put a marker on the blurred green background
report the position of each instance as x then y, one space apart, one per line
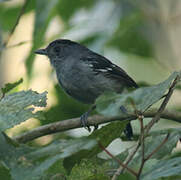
143 37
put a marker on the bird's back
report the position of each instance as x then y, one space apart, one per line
87 76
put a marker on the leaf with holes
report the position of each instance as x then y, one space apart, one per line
18 107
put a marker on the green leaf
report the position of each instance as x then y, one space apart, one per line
11 13
9 86
166 149
128 36
30 163
126 176
43 12
66 148
105 135
55 172
67 9
151 143
109 104
178 177
17 107
114 130
122 156
88 170
90 26
163 168
4 173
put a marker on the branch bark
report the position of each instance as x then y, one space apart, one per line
92 121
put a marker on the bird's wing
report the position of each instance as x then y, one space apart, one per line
100 64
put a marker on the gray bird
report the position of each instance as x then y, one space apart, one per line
84 74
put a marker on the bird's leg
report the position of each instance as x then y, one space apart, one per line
128 131
85 116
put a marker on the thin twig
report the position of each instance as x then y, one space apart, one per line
142 144
17 22
157 149
121 169
155 120
18 44
74 123
113 157
162 107
147 128
150 155
132 154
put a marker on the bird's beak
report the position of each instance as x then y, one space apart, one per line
41 51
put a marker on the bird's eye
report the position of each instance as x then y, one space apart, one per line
56 50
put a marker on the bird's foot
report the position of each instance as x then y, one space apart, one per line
96 127
128 131
83 120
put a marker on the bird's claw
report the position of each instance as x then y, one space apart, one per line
84 122
95 127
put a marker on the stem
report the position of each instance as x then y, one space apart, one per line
121 169
150 155
113 157
17 22
157 149
153 121
162 107
142 144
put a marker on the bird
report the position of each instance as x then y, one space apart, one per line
85 75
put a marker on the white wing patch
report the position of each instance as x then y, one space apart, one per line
109 69
102 70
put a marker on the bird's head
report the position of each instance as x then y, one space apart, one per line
60 49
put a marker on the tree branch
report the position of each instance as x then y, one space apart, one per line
92 121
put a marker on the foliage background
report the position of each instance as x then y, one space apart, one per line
142 37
